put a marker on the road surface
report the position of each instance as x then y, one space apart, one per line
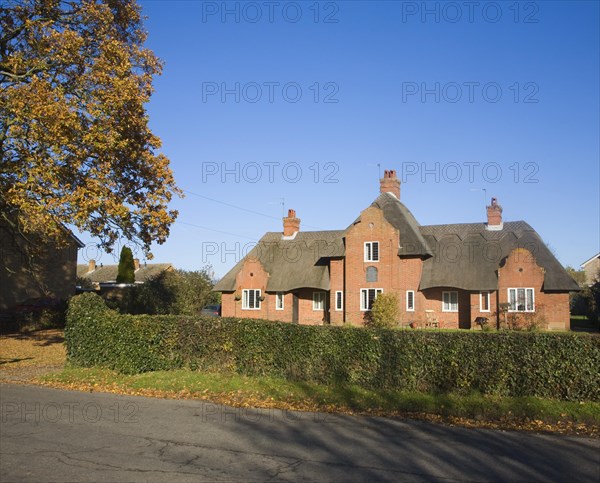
54 435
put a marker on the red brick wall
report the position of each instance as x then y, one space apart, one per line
306 314
409 279
336 282
520 270
253 276
476 311
372 227
432 300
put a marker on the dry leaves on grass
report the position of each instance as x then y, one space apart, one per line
242 400
24 356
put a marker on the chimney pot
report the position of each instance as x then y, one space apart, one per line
390 183
291 224
91 266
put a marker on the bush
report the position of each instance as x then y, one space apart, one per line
525 321
561 366
174 292
385 311
98 336
177 292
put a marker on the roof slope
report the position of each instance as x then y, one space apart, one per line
292 263
412 242
467 256
108 273
597 255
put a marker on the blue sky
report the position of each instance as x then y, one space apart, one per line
302 101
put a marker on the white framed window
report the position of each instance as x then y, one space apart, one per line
251 299
318 300
339 300
371 251
521 300
450 301
410 300
367 297
484 301
279 298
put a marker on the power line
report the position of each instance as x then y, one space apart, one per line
212 229
230 205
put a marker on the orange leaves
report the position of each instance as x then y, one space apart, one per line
77 147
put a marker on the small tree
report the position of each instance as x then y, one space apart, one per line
126 273
385 311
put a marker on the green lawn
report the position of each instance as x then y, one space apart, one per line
236 390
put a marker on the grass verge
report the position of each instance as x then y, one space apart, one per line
473 410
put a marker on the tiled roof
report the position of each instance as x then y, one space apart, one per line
108 273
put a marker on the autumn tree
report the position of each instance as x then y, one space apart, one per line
75 146
126 268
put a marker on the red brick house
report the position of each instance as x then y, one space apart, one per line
444 275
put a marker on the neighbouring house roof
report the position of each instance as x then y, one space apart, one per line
597 255
77 241
467 256
108 273
292 263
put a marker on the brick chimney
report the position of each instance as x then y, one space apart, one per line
91 266
136 264
291 224
494 215
390 183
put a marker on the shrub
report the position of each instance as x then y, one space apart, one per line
561 366
98 336
525 321
385 311
176 292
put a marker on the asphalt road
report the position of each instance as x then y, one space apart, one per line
52 435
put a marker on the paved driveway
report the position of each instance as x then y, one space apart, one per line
53 435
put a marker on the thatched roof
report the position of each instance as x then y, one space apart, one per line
292 263
468 256
399 216
465 256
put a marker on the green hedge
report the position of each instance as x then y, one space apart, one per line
561 365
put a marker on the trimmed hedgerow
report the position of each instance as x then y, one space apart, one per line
560 365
